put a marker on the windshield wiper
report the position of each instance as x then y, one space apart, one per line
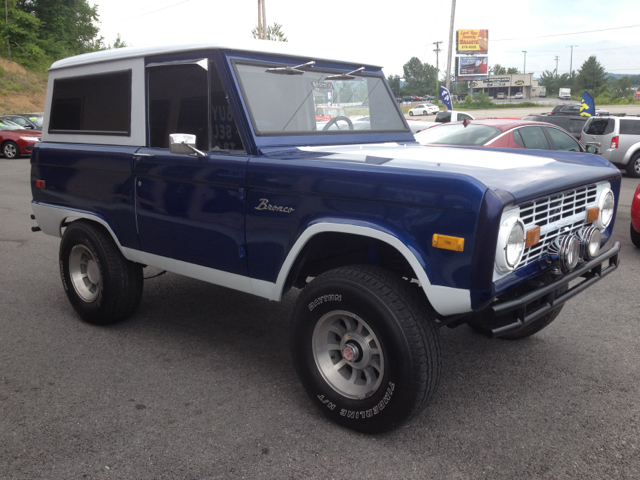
289 70
344 76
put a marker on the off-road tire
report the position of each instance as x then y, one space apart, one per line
397 322
102 286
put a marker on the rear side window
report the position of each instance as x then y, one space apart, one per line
599 126
92 104
575 125
629 127
443 117
562 141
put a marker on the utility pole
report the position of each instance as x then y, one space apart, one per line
557 58
524 70
453 13
259 19
571 60
437 50
6 9
262 21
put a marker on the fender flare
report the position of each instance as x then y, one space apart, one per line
445 300
633 149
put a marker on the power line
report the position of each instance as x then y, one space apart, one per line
564 34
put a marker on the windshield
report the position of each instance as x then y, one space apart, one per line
36 119
289 103
9 125
457 134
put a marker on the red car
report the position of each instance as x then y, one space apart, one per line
635 218
15 141
502 133
326 113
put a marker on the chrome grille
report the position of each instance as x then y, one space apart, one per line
555 215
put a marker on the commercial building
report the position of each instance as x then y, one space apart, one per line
509 84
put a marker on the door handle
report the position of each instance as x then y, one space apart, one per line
139 156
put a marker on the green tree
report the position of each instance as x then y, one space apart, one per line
274 33
498 69
118 43
591 75
511 70
394 83
420 77
67 27
622 87
20 40
553 82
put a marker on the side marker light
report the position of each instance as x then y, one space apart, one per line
592 214
533 237
40 183
448 243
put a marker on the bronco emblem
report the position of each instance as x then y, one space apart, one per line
264 205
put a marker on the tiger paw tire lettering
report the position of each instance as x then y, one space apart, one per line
102 286
370 356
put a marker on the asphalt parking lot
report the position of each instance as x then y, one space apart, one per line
199 384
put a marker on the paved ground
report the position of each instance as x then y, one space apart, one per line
199 385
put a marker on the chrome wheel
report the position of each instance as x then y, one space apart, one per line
84 272
348 354
10 150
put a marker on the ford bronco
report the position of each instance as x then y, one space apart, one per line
208 161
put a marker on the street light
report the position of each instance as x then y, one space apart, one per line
524 70
571 61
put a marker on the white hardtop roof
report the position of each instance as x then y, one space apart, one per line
259 46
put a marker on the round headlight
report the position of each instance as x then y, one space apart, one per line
510 244
606 203
515 244
590 242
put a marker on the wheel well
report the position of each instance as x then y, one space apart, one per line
330 250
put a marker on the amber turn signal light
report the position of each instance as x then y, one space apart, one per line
448 243
592 214
533 237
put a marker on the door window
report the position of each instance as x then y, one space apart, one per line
181 101
531 137
562 141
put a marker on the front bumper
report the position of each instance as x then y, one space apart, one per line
534 304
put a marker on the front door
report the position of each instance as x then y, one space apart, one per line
188 208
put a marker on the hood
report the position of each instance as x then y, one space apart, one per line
525 174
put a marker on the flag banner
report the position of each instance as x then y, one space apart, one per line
445 97
587 106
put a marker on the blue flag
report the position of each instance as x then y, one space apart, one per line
587 106
445 97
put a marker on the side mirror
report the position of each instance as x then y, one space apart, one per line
592 149
184 144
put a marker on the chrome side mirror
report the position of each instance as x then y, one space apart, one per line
592 149
184 144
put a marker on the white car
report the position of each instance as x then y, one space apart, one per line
424 109
519 95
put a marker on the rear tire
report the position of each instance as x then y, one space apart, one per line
365 348
635 236
10 150
102 286
633 167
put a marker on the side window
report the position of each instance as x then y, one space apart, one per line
629 127
533 137
462 116
562 141
181 101
518 138
92 104
575 126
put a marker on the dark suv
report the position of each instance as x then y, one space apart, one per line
570 109
572 124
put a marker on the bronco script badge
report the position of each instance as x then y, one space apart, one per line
264 205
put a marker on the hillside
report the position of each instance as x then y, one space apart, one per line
21 90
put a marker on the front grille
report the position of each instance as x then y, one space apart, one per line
556 215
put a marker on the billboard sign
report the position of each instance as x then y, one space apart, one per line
472 66
471 41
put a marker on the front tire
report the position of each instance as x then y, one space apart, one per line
635 236
633 167
410 113
365 348
102 286
10 150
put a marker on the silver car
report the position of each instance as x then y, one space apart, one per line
618 139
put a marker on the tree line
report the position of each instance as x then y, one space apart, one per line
35 33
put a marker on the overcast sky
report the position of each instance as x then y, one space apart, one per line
390 33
